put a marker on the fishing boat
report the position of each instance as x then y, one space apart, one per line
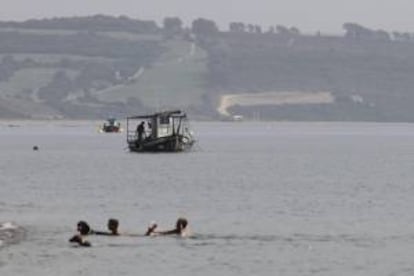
111 125
160 132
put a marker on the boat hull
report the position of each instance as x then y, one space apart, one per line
110 129
175 143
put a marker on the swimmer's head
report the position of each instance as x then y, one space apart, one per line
83 227
113 225
181 224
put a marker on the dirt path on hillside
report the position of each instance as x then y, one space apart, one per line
273 98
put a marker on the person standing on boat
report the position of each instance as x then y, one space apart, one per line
140 131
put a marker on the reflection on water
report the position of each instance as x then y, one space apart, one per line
10 233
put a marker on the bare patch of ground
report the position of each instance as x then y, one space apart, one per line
273 98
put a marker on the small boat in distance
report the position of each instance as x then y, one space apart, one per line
111 125
160 132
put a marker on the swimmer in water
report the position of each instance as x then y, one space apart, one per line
180 229
83 229
151 229
112 225
80 241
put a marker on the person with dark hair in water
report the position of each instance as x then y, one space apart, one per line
83 229
112 225
80 241
180 229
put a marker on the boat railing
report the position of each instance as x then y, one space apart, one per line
132 135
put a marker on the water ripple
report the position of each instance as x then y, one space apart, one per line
10 233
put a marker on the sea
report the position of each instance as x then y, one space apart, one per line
261 198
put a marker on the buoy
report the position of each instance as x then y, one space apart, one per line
35 148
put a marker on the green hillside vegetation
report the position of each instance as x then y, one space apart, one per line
60 67
95 23
100 66
369 73
175 80
51 59
26 80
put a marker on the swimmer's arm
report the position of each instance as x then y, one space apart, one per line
168 232
132 235
101 233
80 241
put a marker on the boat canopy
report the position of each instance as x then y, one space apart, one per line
173 113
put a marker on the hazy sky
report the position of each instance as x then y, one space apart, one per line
308 15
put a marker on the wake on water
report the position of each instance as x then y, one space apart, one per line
10 233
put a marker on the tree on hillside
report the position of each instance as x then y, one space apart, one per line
93 23
282 30
294 31
57 89
237 27
356 31
92 73
250 28
397 36
8 66
271 30
172 26
382 35
204 27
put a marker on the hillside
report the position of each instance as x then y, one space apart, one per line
369 79
101 66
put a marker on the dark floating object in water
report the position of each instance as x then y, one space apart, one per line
35 148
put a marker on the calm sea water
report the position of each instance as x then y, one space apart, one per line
261 199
